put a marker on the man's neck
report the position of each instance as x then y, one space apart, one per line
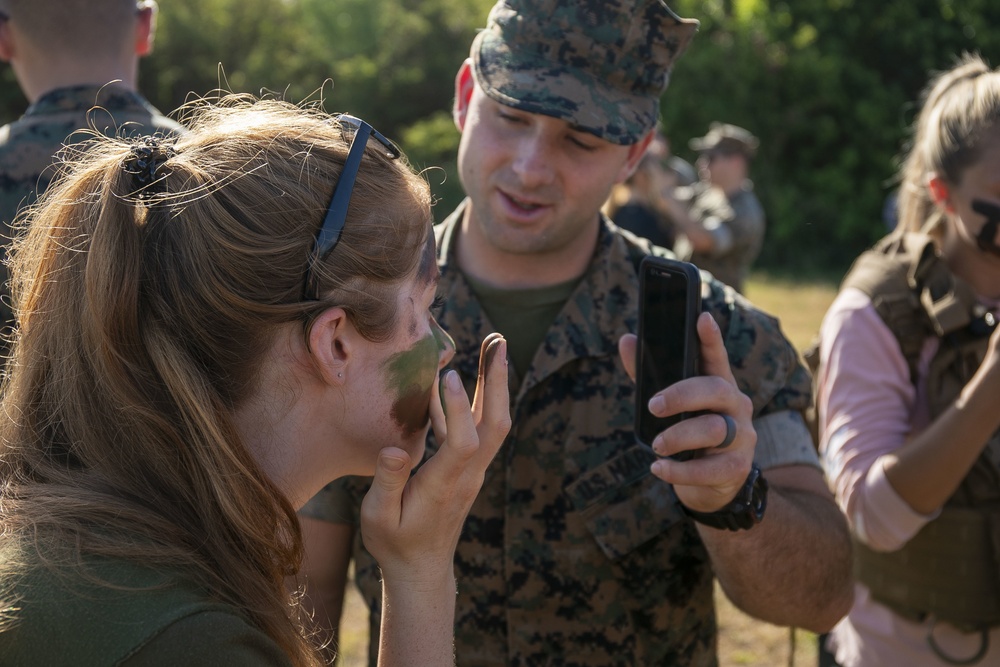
37 80
481 259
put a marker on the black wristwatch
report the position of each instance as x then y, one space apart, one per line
744 512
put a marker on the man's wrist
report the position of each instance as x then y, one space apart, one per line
743 512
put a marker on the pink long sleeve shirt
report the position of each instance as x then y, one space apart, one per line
868 407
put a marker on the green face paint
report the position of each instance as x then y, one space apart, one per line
410 379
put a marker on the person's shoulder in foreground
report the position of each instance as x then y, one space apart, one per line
116 612
77 64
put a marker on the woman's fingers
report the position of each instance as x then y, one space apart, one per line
487 352
494 398
382 505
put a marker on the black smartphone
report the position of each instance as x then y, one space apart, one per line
667 351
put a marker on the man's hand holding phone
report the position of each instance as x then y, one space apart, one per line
707 482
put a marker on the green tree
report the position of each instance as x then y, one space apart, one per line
829 87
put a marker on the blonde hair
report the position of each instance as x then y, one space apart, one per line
145 314
959 108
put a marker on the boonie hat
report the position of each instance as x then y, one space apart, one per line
600 65
726 138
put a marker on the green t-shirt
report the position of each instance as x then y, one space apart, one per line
145 618
523 316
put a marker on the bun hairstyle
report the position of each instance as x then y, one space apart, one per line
148 284
960 106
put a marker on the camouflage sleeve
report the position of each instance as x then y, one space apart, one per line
765 364
767 368
783 439
338 502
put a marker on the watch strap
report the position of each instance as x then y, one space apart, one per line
745 511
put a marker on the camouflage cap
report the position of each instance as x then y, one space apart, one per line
726 138
601 65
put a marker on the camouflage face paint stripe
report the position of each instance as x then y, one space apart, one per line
410 379
987 237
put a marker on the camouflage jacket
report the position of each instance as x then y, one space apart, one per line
29 144
574 554
736 223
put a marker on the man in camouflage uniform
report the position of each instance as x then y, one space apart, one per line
581 548
76 61
723 225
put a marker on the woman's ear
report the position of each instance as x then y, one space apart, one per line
940 193
332 344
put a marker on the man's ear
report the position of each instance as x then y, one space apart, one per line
635 153
940 193
145 27
8 49
464 85
332 344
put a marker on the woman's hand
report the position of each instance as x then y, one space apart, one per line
411 525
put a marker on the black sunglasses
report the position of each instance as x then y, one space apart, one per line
336 213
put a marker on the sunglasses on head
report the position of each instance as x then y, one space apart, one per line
336 213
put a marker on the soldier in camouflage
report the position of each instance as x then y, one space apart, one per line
581 548
722 220
76 61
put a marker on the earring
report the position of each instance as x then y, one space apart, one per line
340 375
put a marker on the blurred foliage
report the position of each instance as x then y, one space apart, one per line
828 85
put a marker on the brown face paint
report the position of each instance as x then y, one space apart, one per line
487 351
411 376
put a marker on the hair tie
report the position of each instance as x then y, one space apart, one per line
144 162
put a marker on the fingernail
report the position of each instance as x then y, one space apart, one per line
441 383
392 463
656 404
451 379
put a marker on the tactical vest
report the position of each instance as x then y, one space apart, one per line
950 570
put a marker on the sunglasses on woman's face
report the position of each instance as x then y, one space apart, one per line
336 213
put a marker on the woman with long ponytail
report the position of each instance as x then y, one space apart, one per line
210 329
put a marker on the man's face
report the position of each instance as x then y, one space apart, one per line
724 170
536 183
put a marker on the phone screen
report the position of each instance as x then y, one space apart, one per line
668 349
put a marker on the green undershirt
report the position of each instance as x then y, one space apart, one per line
523 316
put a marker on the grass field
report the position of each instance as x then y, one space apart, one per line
743 641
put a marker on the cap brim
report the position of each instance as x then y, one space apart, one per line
561 92
701 144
